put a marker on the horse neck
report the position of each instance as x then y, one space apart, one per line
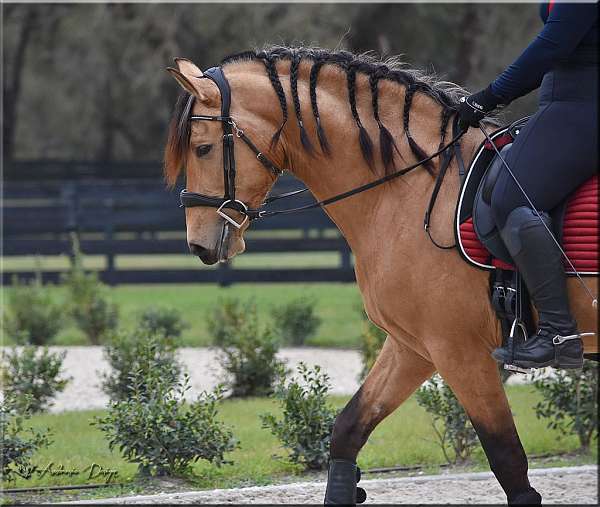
366 218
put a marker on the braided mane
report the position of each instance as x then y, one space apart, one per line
446 94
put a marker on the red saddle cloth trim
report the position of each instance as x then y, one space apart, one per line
580 233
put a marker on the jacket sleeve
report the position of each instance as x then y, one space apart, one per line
566 25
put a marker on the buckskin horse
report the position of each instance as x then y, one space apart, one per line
355 119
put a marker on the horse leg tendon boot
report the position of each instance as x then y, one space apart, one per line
341 484
539 261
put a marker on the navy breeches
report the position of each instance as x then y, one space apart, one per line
557 149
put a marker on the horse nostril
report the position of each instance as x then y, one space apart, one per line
197 249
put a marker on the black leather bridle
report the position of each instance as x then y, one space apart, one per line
229 201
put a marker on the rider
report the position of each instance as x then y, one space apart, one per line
555 152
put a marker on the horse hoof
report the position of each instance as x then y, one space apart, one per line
361 495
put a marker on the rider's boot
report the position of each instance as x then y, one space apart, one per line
538 259
341 483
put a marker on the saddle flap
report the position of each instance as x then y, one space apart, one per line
483 220
491 176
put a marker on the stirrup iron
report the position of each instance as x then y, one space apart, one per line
517 369
517 324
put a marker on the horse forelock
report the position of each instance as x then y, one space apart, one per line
178 138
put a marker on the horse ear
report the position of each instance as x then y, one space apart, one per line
182 80
204 89
187 67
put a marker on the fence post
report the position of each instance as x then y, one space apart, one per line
69 197
109 203
224 274
345 253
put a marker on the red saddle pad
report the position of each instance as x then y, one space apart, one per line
580 236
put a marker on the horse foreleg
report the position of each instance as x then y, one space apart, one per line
479 389
397 372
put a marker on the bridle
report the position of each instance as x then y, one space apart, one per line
229 201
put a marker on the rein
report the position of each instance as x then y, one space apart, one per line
228 201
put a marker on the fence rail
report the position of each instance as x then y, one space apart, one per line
115 217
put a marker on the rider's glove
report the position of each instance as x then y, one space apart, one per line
473 109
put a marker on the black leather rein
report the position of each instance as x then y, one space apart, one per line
229 201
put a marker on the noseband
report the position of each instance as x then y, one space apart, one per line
229 201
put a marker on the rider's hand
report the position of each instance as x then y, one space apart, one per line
473 109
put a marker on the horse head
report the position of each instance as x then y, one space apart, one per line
218 167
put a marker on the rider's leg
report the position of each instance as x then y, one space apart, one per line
555 152
540 264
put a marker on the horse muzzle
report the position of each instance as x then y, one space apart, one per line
206 255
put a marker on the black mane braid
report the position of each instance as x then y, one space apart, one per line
444 93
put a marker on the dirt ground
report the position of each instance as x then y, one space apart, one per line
566 485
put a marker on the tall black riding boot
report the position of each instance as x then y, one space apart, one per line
557 342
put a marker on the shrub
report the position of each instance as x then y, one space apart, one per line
296 321
246 352
307 423
165 321
159 431
31 314
18 447
32 374
227 317
143 351
450 422
93 313
372 339
570 401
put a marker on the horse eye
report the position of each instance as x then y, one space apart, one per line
203 149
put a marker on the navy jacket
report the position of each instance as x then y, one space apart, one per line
570 35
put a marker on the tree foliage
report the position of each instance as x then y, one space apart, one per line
86 81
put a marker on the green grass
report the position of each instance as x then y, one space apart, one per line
405 438
247 260
337 305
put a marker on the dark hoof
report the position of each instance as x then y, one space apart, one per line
361 495
530 497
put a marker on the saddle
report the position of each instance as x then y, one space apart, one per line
575 220
575 223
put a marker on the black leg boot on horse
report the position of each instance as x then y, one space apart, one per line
557 342
397 372
342 478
